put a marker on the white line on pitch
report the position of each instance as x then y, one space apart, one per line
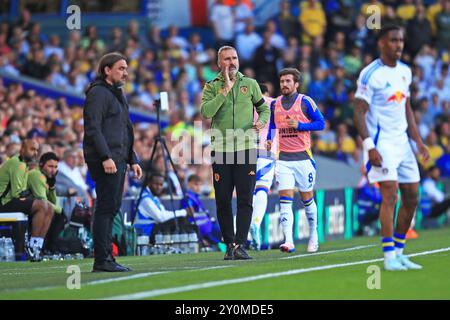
327 252
160 292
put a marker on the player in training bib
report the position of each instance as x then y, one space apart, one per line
294 116
384 119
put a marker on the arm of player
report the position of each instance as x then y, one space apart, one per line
359 117
272 127
313 113
414 132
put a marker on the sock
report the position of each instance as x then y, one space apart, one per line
399 240
36 241
259 206
311 214
287 218
388 247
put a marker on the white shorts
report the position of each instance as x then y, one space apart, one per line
265 169
399 163
296 173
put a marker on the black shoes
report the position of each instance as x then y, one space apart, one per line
109 266
236 253
229 252
240 253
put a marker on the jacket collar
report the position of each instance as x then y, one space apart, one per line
238 76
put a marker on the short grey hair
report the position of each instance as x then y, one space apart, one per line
224 48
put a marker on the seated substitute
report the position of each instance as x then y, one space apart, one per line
150 210
14 197
41 183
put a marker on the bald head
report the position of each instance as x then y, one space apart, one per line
29 150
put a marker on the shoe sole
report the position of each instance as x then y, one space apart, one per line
284 249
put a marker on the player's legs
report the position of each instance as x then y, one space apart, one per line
389 199
287 219
311 213
410 199
264 178
305 177
286 185
42 215
408 178
260 199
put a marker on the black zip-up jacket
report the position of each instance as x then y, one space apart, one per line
108 132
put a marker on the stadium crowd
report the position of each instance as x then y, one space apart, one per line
328 41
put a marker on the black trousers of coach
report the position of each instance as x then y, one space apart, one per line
234 170
109 189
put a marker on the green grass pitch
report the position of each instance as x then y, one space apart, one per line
339 271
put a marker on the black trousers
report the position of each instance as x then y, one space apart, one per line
234 170
109 189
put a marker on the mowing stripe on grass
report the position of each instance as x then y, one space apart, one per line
328 252
160 292
147 274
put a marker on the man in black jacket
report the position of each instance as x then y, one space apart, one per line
108 149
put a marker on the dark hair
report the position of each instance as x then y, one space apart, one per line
263 88
108 60
432 168
194 178
386 29
153 175
292 71
47 157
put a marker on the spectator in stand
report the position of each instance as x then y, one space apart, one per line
70 181
346 145
276 39
442 21
243 15
312 19
434 148
266 61
287 23
222 21
247 43
434 201
418 32
365 8
36 66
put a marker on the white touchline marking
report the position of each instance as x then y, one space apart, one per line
160 292
327 252
135 276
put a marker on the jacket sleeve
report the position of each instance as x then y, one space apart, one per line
149 209
261 107
18 177
94 107
211 102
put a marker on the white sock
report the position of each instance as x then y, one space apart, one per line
389 255
311 214
399 251
36 241
287 220
259 206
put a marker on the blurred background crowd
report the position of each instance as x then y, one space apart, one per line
327 40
